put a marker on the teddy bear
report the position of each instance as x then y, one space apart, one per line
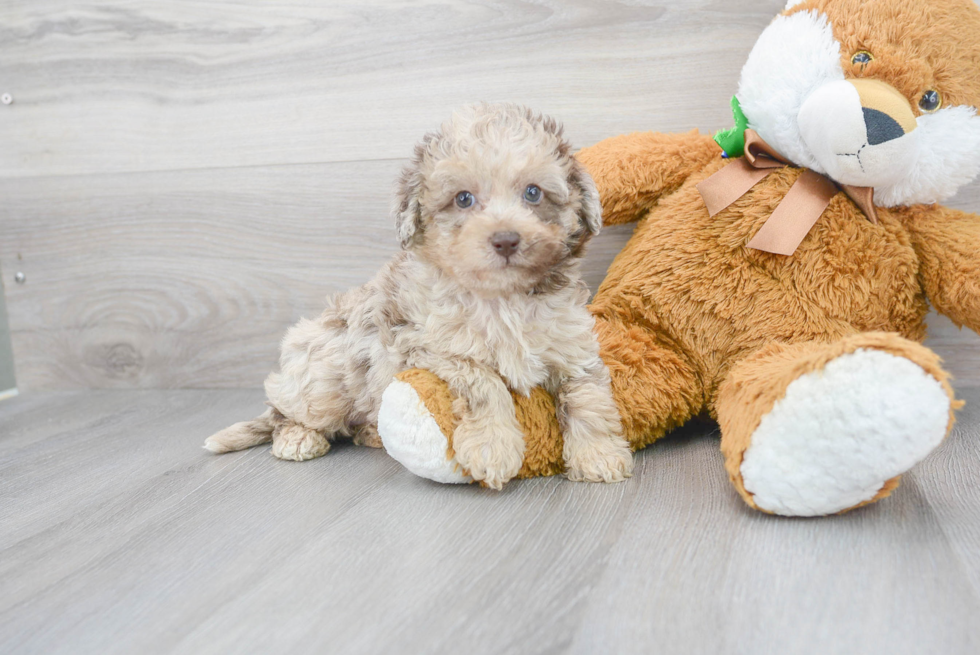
780 273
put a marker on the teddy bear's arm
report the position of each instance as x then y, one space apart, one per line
948 244
633 171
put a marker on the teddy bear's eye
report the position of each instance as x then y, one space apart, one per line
464 200
863 57
930 101
532 194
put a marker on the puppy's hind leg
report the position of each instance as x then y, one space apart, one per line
367 435
298 443
243 435
310 389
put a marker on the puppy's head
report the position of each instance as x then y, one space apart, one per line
496 201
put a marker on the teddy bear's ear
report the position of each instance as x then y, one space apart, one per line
407 210
590 212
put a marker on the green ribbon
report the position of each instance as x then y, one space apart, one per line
733 141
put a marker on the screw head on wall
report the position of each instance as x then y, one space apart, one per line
6 98
19 277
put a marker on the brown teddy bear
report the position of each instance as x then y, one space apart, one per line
779 274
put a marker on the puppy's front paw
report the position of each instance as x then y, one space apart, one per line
606 459
490 456
297 443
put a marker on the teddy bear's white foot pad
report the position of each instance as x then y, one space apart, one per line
412 437
840 433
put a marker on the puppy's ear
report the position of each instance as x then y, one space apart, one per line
407 210
590 212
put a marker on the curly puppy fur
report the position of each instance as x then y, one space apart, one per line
486 294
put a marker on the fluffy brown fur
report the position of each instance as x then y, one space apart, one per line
486 320
918 44
686 307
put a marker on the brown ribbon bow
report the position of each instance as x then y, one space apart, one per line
783 232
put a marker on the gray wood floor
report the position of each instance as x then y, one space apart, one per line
119 534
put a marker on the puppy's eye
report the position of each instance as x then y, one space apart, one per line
862 57
930 101
532 194
464 199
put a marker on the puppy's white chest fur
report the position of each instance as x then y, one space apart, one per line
528 339
517 337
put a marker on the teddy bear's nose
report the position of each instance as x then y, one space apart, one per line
505 243
887 113
881 126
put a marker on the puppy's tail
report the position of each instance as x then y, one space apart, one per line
243 435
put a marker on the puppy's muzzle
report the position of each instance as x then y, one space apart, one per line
861 131
505 244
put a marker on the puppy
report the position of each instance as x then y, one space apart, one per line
492 213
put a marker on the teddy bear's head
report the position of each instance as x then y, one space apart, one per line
872 93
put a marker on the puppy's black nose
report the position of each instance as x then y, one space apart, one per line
505 243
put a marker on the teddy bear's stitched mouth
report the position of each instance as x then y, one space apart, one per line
855 154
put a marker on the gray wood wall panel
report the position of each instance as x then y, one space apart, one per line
120 86
177 279
181 181
7 381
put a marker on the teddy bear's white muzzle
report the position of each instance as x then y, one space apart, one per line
862 132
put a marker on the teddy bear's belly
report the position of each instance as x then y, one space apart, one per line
717 298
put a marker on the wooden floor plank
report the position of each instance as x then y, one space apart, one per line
119 534
243 532
709 575
949 481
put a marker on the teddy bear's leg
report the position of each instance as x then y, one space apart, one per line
417 425
655 387
654 384
817 428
